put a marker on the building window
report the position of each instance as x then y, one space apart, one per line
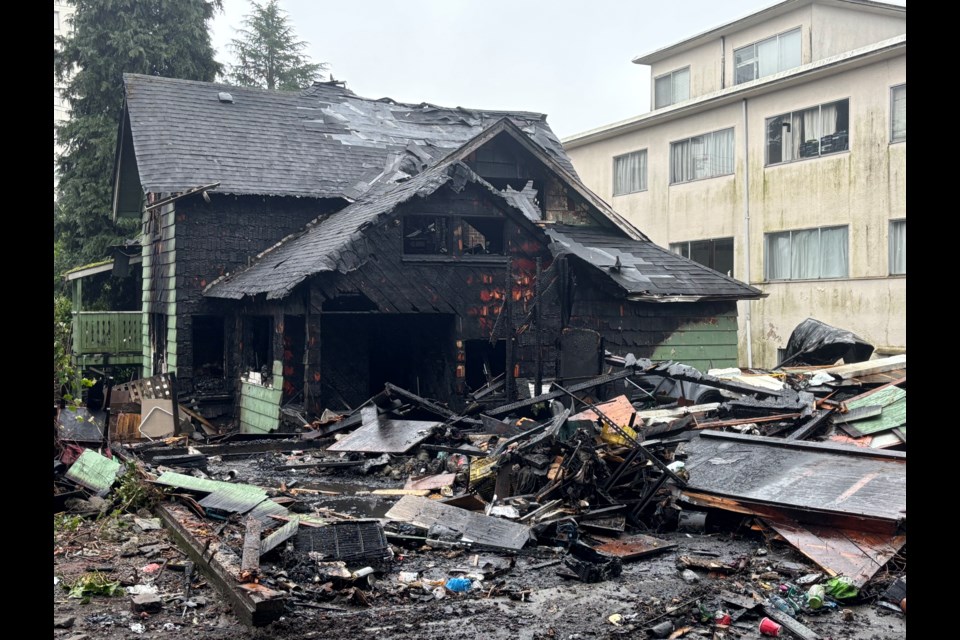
779 53
630 173
807 254
56 21
809 133
898 113
451 235
716 254
671 88
703 156
898 247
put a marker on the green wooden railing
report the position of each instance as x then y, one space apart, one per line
112 333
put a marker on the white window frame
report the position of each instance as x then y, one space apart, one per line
673 89
691 169
642 179
767 237
893 250
755 61
56 20
893 113
685 249
791 118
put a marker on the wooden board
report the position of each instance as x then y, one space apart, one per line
635 547
386 436
855 554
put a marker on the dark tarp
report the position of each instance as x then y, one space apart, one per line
816 343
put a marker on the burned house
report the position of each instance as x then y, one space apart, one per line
309 247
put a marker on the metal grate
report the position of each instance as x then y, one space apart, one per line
355 542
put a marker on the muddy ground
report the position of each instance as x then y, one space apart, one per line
528 601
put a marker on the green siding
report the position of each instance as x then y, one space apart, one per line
260 406
702 343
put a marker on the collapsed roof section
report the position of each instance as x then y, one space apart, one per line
644 271
323 142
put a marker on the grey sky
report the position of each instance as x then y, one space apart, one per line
569 59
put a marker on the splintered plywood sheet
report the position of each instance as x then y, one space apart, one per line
386 436
767 472
635 547
438 481
472 527
855 554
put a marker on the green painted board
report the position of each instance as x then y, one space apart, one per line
94 471
894 414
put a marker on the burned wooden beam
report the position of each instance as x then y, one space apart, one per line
254 605
811 426
280 536
432 407
250 560
582 386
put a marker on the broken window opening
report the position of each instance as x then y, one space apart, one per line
208 346
481 236
259 355
430 235
484 362
425 235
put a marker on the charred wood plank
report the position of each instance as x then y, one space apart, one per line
582 386
254 605
250 560
811 426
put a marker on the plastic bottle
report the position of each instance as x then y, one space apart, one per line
815 596
783 605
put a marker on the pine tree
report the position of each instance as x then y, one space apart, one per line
166 38
268 53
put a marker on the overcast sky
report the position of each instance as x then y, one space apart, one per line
569 59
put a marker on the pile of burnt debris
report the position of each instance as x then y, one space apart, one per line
582 474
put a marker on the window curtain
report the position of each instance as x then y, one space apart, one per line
898 247
630 172
833 253
805 254
662 92
778 256
681 86
900 113
768 52
679 161
790 50
721 152
828 119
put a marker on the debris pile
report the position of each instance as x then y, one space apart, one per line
582 479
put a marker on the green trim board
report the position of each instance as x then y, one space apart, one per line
893 400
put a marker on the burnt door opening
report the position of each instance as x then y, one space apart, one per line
208 346
258 348
158 340
362 352
484 362
294 341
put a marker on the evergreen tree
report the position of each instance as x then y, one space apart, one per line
166 38
268 53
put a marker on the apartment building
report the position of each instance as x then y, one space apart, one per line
775 151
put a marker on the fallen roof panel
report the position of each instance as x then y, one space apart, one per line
807 481
386 436
472 527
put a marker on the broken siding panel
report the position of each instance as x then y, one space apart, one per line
260 406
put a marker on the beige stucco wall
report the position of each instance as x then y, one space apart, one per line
825 31
836 30
864 188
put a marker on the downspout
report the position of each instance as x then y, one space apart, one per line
746 229
723 62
